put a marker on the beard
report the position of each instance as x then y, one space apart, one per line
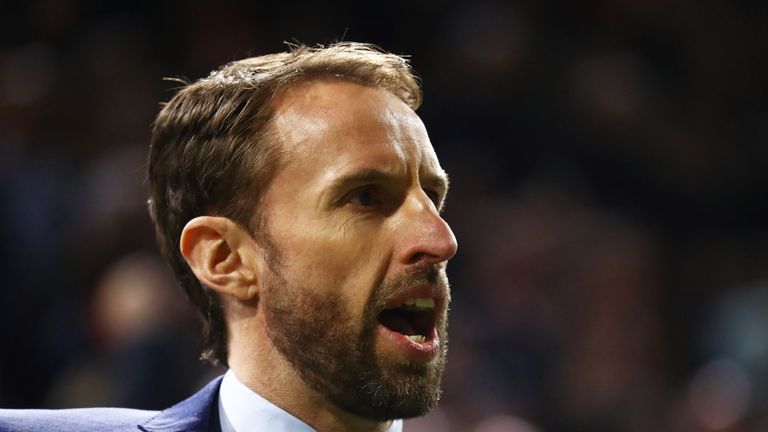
335 355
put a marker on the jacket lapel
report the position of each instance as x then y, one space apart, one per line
199 413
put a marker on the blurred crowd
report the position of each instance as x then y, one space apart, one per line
609 174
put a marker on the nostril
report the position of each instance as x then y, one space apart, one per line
417 257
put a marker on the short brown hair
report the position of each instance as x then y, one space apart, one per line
212 152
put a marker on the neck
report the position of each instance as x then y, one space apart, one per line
257 364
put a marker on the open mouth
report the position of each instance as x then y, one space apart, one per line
415 319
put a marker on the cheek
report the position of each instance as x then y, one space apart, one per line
337 261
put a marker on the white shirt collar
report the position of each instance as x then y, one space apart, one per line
242 410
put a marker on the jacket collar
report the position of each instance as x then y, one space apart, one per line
198 413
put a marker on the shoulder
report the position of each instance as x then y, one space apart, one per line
102 419
196 414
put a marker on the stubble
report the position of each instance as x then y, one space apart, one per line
335 354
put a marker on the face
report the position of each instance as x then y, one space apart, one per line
357 301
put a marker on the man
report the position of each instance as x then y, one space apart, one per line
298 197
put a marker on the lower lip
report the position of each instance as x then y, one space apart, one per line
424 351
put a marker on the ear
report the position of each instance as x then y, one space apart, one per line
221 255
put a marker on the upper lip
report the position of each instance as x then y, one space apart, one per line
425 291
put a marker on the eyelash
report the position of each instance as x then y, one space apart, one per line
356 194
376 198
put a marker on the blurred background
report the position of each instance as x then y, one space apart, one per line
609 176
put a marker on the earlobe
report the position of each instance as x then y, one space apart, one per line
215 248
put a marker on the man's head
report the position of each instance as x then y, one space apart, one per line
302 189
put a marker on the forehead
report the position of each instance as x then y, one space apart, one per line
342 123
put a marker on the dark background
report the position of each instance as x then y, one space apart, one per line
609 175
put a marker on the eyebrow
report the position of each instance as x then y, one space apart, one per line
372 175
437 180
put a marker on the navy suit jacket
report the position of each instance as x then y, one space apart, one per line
199 413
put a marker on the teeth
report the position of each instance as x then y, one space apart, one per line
417 338
420 304
425 303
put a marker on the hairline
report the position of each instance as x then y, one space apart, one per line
240 83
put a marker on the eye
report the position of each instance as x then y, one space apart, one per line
365 197
434 196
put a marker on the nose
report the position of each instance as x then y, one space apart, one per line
424 237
